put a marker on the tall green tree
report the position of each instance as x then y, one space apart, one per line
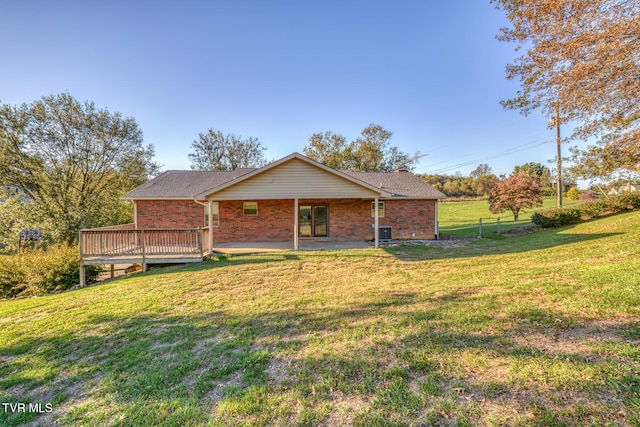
540 172
214 150
483 169
583 57
73 161
370 152
328 148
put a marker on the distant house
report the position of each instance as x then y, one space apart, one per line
290 199
11 190
627 188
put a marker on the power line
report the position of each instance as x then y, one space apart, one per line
523 147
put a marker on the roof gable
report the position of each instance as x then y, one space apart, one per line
294 176
290 177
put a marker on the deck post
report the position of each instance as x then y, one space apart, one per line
81 262
201 242
83 279
113 271
144 251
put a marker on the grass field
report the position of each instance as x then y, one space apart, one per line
461 219
540 329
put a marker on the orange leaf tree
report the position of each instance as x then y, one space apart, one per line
582 56
518 191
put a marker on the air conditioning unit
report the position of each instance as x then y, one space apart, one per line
384 233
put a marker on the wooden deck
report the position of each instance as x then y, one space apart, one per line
126 245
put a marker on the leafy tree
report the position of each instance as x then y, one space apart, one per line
573 193
482 180
483 184
476 185
16 214
518 191
215 151
73 161
483 169
540 172
582 57
328 148
370 152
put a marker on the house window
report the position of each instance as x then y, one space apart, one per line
215 210
250 208
380 209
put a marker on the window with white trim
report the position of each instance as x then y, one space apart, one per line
380 209
215 211
250 208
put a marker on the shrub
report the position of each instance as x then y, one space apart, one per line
42 270
556 217
573 194
594 209
588 195
627 201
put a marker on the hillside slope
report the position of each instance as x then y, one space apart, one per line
537 329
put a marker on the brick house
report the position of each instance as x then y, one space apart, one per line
292 199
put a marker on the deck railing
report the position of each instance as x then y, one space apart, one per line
123 244
112 242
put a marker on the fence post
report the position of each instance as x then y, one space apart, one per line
498 226
480 228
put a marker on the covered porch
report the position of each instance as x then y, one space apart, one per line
294 199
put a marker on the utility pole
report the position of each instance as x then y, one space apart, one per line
558 156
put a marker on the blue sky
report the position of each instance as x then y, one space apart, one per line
430 71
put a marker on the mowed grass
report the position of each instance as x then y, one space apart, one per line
461 219
539 329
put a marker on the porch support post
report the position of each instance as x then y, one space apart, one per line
375 222
210 225
295 224
436 230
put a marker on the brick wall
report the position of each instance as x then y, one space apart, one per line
349 219
410 219
169 214
274 222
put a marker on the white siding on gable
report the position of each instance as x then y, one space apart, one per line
294 179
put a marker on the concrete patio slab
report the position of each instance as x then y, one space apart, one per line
261 247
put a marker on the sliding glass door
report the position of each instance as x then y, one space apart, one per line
314 221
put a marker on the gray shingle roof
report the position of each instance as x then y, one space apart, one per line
176 184
399 184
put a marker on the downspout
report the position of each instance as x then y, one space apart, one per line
135 214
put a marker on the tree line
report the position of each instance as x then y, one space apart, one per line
369 152
65 164
482 179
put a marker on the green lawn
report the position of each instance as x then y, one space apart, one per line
538 329
461 219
